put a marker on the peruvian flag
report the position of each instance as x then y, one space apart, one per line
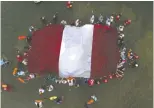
87 51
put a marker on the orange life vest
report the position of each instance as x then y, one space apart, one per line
129 53
4 86
21 80
38 101
70 78
22 37
90 101
14 71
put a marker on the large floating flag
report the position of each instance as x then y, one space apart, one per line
87 51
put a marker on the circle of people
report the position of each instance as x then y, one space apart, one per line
126 56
